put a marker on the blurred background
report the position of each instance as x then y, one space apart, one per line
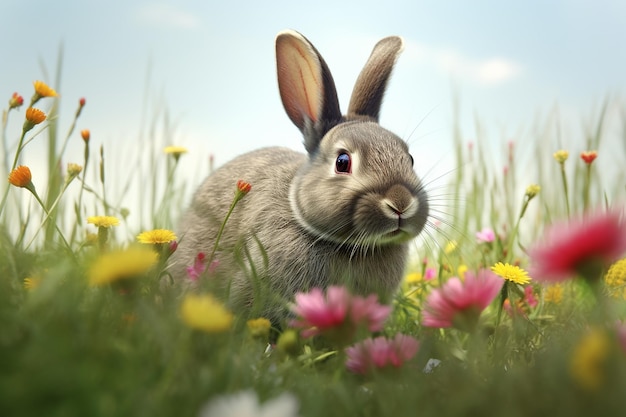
201 74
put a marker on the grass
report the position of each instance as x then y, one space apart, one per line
69 347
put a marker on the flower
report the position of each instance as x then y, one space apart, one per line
553 294
615 279
561 156
259 328
21 177
121 265
15 101
243 187
511 273
486 235
588 360
430 273
413 278
156 236
176 151
529 297
31 283
532 190
588 156
82 102
461 270
450 247
337 310
43 90
206 313
33 117
585 246
459 303
194 272
380 352
246 404
73 170
103 221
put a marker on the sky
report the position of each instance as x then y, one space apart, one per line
211 65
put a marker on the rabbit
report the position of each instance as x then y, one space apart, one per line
342 214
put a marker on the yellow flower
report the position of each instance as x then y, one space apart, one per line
156 236
561 156
413 278
259 328
461 270
122 264
204 312
450 247
73 170
31 283
176 151
532 190
511 273
21 177
615 279
33 117
103 221
43 90
553 294
589 359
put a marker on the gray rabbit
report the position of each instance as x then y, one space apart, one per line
341 215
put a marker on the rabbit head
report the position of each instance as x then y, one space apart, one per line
359 187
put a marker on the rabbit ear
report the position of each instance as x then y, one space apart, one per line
369 89
306 86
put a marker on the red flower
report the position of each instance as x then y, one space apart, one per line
243 187
588 156
15 101
586 246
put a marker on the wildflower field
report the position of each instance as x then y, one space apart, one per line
513 302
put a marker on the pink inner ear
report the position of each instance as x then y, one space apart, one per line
299 80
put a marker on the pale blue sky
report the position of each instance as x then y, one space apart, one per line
212 63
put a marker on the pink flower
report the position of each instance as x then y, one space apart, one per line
585 246
459 303
529 297
380 353
194 272
318 313
429 274
485 236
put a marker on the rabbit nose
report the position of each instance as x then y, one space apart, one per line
399 202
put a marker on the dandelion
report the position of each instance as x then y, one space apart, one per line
259 328
43 90
175 151
553 294
119 265
532 190
15 101
511 273
413 278
21 177
337 313
588 360
460 303
31 283
486 235
380 353
246 404
205 313
561 156
156 236
103 221
615 279
585 247
588 156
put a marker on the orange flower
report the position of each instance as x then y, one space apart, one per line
243 187
15 101
35 116
85 134
21 176
43 90
588 156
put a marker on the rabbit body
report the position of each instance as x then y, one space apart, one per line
341 215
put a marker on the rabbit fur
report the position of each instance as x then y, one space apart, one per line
342 214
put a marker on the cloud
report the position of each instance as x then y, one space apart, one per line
167 15
490 71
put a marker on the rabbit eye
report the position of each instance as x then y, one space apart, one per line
412 161
343 164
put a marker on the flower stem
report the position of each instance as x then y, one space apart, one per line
565 189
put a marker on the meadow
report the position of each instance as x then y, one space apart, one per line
513 302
